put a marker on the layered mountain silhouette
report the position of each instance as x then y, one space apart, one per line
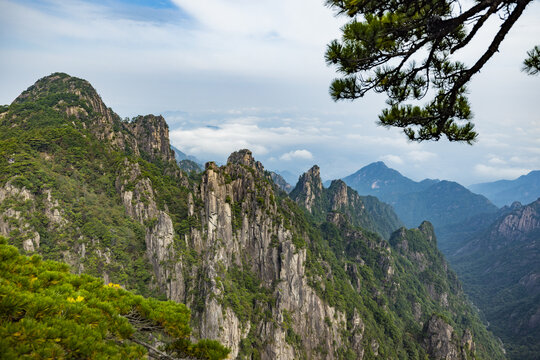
440 202
524 189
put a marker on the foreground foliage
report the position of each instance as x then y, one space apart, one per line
47 312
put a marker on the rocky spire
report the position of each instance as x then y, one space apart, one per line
152 134
339 196
245 157
309 188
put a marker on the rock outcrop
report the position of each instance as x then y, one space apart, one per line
309 189
364 211
152 135
139 201
442 342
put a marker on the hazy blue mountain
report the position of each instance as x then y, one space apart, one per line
383 182
288 176
443 203
440 202
180 155
189 166
454 236
524 189
281 182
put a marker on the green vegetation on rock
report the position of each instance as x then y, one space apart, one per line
47 312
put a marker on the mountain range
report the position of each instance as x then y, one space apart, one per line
440 202
288 176
320 274
187 163
524 189
495 251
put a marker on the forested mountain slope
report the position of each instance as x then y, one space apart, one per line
500 267
268 277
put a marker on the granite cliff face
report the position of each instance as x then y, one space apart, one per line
443 343
308 192
241 229
518 224
270 276
152 135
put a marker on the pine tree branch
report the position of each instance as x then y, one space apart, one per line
492 49
161 354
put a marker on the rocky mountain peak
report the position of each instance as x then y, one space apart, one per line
152 134
309 188
79 105
75 96
313 177
516 205
522 221
245 157
427 229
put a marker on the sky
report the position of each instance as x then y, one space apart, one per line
234 74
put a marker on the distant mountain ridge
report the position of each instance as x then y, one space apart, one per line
524 189
281 182
186 162
440 202
288 176
379 180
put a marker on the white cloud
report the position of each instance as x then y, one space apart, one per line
495 173
297 155
392 159
495 160
246 132
302 21
421 155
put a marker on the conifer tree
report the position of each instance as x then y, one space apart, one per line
48 313
406 49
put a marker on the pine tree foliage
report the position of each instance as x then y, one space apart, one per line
48 313
406 49
531 65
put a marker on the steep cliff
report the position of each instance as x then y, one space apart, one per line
68 190
152 135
